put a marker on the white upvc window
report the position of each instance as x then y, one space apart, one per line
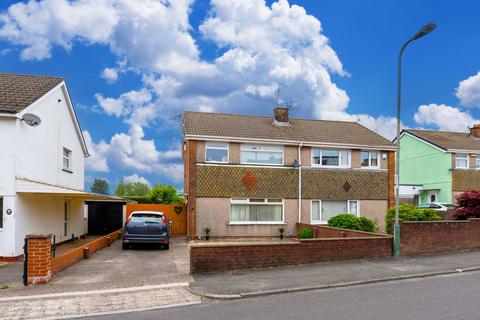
216 152
322 210
369 159
261 154
67 159
477 162
256 211
461 161
331 158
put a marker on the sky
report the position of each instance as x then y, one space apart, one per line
133 66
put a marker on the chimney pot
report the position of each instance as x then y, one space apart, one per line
280 115
475 131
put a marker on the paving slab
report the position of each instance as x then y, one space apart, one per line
252 282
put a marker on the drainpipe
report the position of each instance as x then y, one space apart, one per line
300 183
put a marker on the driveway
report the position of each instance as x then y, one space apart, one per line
111 267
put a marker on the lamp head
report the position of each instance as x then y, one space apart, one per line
426 29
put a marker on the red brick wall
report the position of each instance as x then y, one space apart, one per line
190 185
329 232
39 268
225 257
439 236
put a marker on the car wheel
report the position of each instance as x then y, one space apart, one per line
167 246
125 246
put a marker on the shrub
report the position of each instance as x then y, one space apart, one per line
351 222
408 212
367 225
344 221
468 205
305 233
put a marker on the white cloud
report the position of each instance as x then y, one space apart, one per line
134 104
110 75
98 154
468 91
136 178
444 117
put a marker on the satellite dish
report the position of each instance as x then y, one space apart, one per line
31 119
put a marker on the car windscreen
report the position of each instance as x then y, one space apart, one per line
146 217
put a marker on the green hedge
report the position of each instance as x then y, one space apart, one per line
305 233
408 212
351 222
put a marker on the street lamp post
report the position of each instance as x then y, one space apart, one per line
396 228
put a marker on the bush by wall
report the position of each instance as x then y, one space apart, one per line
305 233
351 222
408 212
468 205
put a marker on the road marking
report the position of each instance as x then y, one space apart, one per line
93 292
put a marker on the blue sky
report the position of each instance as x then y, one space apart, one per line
133 66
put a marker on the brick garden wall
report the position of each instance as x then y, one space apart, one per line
439 236
210 257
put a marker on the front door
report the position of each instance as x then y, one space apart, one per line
432 196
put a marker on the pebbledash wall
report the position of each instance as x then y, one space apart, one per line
210 188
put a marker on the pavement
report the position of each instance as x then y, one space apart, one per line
248 283
450 297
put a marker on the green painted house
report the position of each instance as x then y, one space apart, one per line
436 166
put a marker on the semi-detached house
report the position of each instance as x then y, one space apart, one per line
250 175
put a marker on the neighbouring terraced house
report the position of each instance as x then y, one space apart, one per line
247 176
436 166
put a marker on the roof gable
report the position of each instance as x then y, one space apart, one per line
447 140
203 124
18 91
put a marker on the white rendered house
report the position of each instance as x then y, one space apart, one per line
41 165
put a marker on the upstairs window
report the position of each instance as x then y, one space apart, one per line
216 152
461 161
369 159
67 159
261 154
330 158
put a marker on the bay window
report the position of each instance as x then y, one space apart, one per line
330 158
323 210
461 161
216 152
261 154
369 159
256 211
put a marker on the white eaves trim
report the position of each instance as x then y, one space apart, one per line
62 85
287 142
422 140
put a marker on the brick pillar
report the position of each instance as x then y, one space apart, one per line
191 184
39 264
391 179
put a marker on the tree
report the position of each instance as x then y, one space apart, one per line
100 186
164 194
133 189
468 205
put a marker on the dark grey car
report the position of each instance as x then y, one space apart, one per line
146 227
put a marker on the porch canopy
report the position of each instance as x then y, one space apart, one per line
35 187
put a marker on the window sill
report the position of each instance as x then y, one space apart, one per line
256 224
67 170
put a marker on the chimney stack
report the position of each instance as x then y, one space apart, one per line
280 115
475 131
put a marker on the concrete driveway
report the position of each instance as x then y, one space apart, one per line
112 267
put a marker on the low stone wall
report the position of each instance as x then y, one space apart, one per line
425 237
211 257
329 232
73 256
